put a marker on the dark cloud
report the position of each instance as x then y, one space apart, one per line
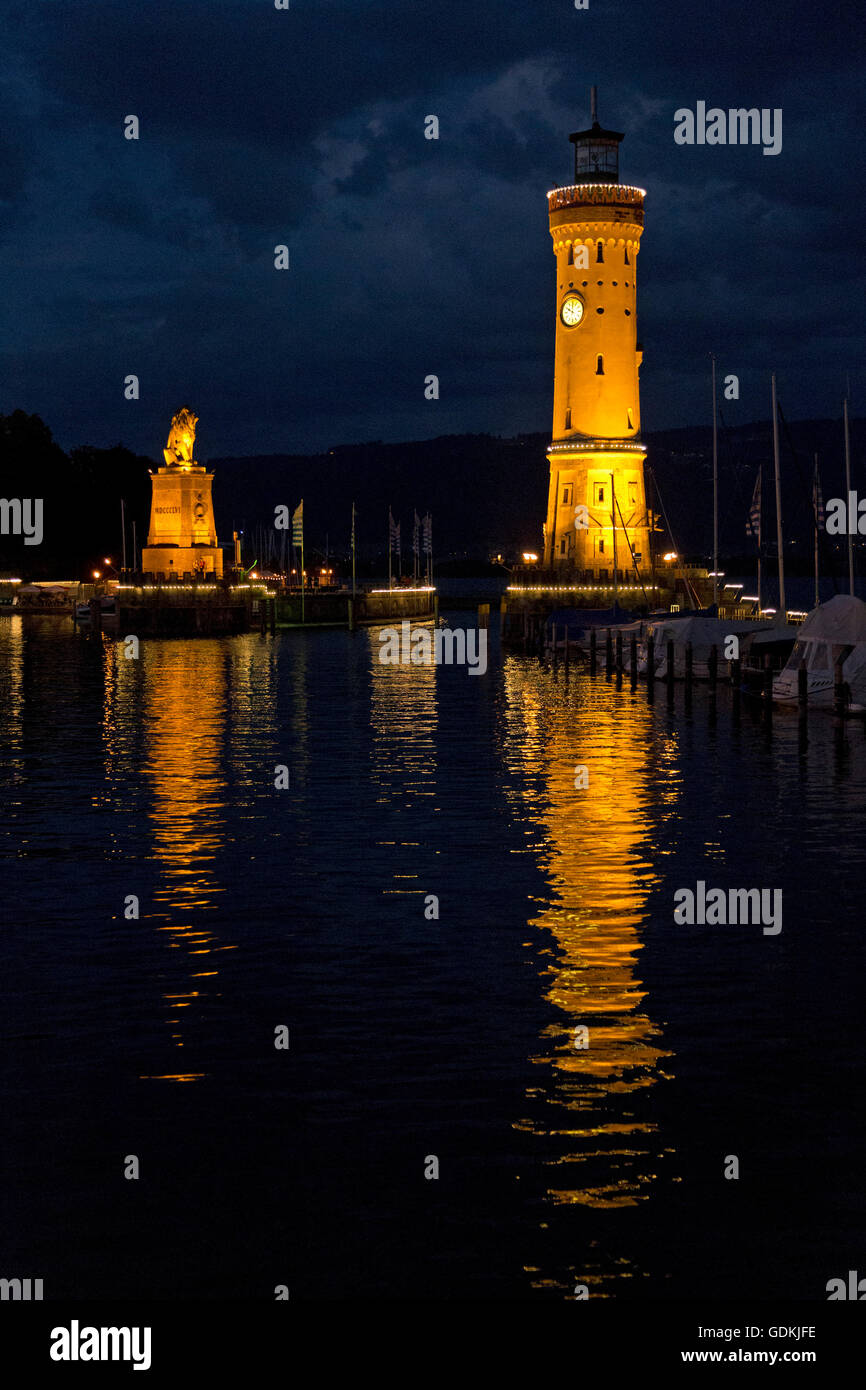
408 256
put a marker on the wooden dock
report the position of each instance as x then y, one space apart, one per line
607 654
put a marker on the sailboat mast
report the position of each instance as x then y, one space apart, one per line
760 529
715 491
848 490
782 603
815 527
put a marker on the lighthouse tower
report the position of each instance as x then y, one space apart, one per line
597 529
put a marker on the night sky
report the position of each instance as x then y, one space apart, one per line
409 256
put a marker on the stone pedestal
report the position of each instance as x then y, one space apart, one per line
182 531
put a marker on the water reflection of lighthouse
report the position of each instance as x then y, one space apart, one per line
590 1109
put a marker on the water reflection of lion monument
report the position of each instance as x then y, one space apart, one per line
181 439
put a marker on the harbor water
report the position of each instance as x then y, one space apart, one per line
476 960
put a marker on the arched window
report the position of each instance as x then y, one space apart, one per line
599 253
599 365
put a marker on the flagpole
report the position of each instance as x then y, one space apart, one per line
390 539
353 550
815 521
715 491
298 535
613 519
848 490
782 604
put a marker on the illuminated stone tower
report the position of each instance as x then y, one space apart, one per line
182 538
596 457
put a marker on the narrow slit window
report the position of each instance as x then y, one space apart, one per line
570 255
566 495
627 261
568 419
630 420
599 365
599 253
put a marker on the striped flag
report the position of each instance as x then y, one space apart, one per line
427 528
818 499
353 524
753 525
416 534
298 525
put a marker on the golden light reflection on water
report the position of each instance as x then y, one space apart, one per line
181 691
593 844
403 722
12 692
403 725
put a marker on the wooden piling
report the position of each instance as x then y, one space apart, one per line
802 685
608 650
632 657
650 658
839 689
689 662
713 666
670 670
593 651
619 650
768 681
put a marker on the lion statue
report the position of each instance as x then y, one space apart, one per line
181 439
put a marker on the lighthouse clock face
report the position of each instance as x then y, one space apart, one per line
571 312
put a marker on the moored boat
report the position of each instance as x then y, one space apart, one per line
703 630
833 634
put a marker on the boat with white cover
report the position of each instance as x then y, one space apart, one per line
834 631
